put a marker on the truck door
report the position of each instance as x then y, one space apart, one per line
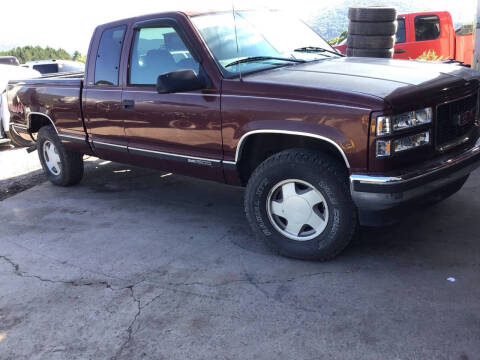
180 132
423 37
102 99
401 44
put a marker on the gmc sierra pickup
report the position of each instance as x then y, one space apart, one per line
321 142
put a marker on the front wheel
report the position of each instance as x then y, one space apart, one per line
62 167
299 202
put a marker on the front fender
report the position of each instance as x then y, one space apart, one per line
346 128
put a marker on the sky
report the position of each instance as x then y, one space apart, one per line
70 24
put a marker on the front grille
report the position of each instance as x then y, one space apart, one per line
455 121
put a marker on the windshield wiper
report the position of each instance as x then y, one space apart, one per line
262 58
317 50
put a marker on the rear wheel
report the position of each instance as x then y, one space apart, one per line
62 167
298 201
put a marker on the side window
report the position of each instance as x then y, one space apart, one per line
401 36
108 56
157 51
427 27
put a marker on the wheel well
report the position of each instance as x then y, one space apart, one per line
37 121
259 147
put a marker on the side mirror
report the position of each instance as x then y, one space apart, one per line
179 81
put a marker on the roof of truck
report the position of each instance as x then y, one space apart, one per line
189 13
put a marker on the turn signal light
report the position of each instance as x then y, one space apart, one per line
383 148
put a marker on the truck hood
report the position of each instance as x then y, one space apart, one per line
395 81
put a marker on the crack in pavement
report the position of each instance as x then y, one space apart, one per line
62 262
141 307
18 272
107 285
132 323
249 278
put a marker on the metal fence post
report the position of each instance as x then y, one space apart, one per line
476 34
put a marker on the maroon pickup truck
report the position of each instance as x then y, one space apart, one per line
321 142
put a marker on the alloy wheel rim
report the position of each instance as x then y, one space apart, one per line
297 210
52 158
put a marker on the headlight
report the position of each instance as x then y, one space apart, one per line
387 124
385 148
411 142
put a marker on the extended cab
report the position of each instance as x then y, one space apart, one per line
320 141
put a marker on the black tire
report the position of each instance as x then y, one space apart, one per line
17 140
329 178
370 42
373 28
71 163
372 13
374 53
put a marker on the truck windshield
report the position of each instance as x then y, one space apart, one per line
268 36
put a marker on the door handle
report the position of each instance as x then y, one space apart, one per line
128 104
400 51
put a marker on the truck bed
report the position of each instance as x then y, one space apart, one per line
58 97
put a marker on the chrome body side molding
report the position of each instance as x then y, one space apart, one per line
238 153
71 137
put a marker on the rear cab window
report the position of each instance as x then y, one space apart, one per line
427 27
107 62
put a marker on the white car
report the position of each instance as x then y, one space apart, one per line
9 72
55 66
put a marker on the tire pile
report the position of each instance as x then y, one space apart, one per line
371 32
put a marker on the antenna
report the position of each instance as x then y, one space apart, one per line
236 36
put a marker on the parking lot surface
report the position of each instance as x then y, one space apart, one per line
18 171
138 264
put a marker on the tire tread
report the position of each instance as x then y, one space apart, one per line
372 13
323 163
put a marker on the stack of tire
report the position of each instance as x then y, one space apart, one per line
371 32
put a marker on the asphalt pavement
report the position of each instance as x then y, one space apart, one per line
140 264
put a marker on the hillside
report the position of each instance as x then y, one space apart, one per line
332 20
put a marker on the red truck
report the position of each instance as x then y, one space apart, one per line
429 33
321 142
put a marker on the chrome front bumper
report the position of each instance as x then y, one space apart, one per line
377 193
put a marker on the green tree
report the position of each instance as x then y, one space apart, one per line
77 56
30 53
337 40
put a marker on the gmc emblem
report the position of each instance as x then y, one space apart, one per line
464 118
